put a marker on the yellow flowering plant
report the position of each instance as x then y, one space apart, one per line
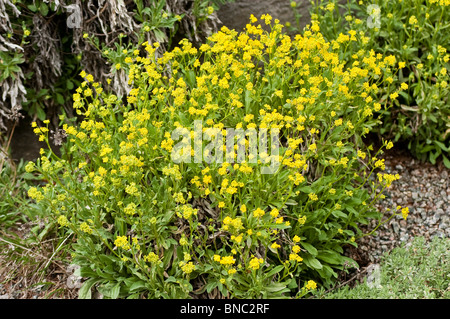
416 103
155 214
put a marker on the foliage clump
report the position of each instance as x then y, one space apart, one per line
147 225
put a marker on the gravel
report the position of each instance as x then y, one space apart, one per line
425 189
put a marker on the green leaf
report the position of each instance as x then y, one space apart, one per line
275 270
222 289
276 286
85 290
446 161
43 9
32 7
210 286
291 202
313 262
60 99
306 189
87 272
160 35
69 85
441 145
115 291
190 77
247 100
171 279
339 214
40 113
137 285
310 248
330 257
433 156
352 210
240 280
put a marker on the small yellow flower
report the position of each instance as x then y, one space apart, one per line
405 212
62 221
275 245
393 96
258 212
311 285
255 263
274 213
389 145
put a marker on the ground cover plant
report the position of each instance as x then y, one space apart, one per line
416 33
415 271
144 223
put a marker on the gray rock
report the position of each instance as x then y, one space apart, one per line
404 237
395 227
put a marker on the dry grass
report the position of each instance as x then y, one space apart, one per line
32 270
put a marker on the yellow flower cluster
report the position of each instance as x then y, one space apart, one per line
311 285
35 194
186 211
122 242
151 257
226 260
255 263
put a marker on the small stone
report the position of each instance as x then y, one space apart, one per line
404 237
433 220
403 223
439 234
395 227
423 214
